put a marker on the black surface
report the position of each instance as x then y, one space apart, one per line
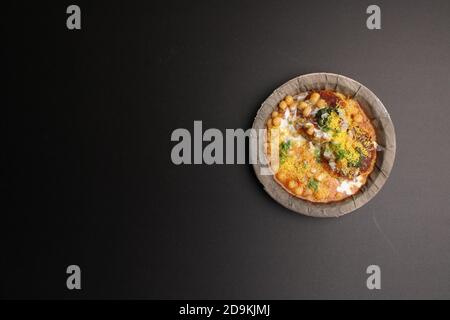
87 174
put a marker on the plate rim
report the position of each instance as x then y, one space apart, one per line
375 181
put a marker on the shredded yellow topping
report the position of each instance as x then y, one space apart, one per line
334 121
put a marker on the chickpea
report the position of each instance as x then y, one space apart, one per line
282 105
319 195
281 176
309 127
275 114
289 100
293 106
302 105
314 97
276 121
269 123
292 184
307 111
298 191
321 103
358 118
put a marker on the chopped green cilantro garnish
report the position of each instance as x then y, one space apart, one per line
284 149
313 184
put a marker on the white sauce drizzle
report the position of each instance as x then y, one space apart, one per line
321 134
301 96
287 129
346 186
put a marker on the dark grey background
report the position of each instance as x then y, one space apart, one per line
87 172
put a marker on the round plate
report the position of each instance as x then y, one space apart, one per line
381 121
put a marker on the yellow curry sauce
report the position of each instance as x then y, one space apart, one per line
326 145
